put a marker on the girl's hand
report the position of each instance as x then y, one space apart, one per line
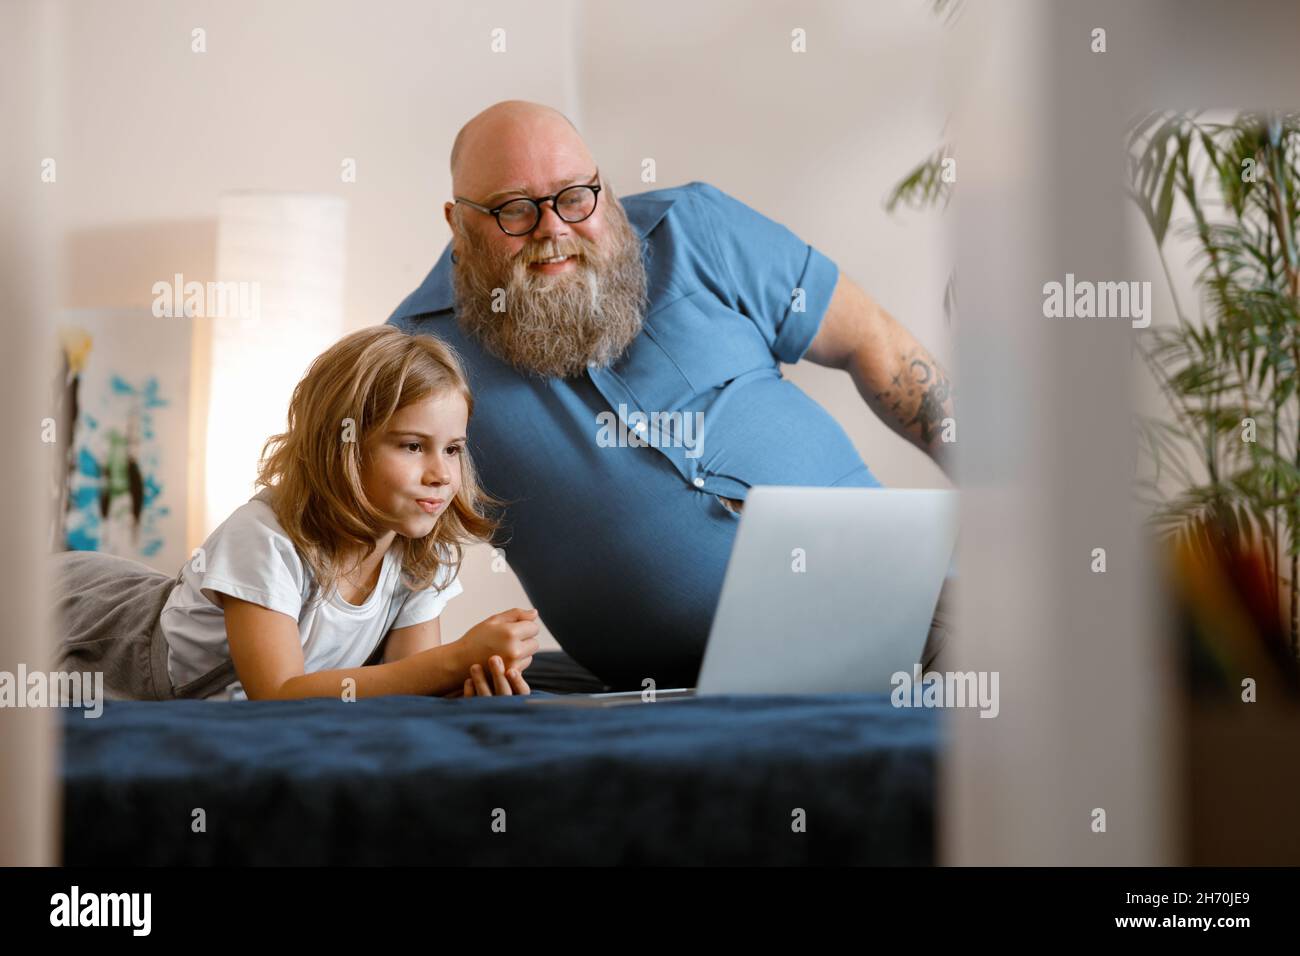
511 635
508 683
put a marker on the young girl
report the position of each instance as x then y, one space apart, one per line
329 581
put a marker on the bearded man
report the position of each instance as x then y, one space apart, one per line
568 305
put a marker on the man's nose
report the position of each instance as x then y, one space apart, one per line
550 226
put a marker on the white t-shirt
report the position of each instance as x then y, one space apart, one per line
250 556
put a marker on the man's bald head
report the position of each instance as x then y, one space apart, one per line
505 142
573 291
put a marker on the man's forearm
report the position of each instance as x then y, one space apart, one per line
899 380
911 393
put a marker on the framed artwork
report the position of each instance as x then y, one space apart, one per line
120 416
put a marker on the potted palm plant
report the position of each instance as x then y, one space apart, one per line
1231 439
1222 459
1226 457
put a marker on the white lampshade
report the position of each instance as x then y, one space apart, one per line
289 248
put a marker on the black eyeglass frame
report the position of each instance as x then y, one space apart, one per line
537 205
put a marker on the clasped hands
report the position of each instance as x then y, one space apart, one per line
498 651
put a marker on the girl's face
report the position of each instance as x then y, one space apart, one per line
412 469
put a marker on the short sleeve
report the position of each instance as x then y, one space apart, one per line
254 560
764 264
421 606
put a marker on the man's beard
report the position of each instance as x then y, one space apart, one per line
555 325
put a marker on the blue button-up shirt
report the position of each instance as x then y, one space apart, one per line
620 541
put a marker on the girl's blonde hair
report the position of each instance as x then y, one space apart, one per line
350 393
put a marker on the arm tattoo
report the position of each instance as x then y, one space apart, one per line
923 387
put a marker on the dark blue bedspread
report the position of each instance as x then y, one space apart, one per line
420 780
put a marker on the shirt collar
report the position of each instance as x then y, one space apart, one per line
435 293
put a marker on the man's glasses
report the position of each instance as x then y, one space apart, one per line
519 217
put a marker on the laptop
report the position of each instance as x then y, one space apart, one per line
828 590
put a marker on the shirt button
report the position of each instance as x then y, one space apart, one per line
699 482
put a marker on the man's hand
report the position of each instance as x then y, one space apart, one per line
900 381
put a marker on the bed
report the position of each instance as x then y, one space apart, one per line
498 781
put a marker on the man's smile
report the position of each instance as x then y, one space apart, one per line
550 266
